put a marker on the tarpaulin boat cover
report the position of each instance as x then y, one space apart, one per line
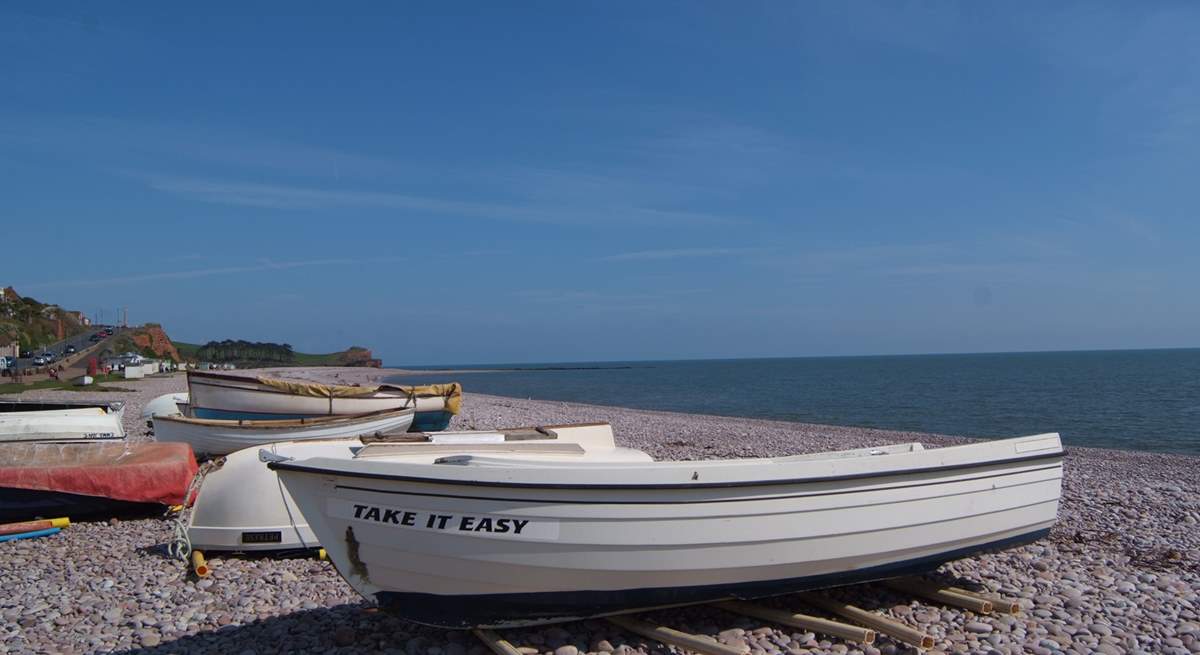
140 473
316 389
451 391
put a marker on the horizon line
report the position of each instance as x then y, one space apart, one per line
433 367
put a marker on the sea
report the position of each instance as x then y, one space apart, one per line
1145 400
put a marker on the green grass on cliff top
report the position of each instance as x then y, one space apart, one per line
188 352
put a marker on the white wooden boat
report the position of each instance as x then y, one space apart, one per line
168 404
243 507
526 536
223 396
221 437
60 422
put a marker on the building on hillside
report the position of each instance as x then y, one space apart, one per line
8 300
82 318
11 350
118 362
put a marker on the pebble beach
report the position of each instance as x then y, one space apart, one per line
1120 572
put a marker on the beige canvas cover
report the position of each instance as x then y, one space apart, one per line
316 389
450 391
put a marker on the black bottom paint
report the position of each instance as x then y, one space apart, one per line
28 504
499 610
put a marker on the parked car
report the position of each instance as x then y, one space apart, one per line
39 360
70 350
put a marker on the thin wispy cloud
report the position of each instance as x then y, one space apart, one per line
290 197
102 140
594 302
662 182
678 253
199 272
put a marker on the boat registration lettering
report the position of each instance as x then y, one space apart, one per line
476 524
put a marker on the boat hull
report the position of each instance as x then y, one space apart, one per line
587 549
65 422
242 506
26 504
226 397
510 610
217 437
87 479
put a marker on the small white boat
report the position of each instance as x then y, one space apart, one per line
243 507
223 396
468 537
168 404
221 437
60 422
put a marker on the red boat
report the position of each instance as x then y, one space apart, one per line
91 479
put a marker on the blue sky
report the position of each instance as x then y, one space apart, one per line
456 183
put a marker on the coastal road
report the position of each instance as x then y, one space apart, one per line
81 342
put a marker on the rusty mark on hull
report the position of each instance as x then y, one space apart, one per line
357 567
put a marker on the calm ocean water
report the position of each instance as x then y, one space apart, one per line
1136 400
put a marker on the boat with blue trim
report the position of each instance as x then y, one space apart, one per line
239 397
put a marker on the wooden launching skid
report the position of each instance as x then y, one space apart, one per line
705 645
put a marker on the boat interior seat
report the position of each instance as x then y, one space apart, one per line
620 455
392 449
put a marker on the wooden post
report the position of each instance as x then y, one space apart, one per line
887 626
804 621
675 638
495 642
936 592
1001 604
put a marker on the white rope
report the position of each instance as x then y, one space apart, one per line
180 547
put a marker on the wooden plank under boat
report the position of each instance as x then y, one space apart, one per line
479 539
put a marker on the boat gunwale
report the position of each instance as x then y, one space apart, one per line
298 468
110 406
701 501
319 421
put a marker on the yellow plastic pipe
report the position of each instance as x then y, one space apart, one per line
199 565
322 555
31 526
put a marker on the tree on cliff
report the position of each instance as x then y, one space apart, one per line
246 352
